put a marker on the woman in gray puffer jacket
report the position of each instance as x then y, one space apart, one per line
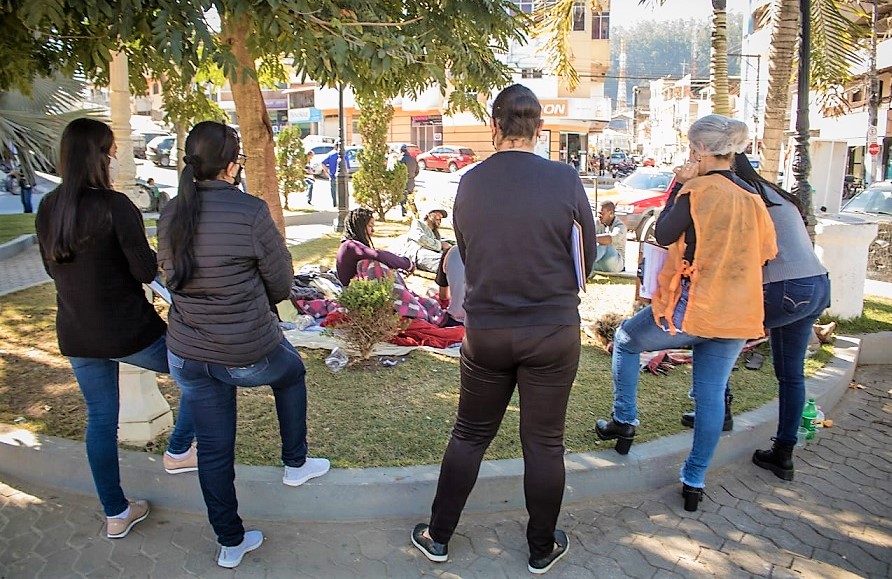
225 262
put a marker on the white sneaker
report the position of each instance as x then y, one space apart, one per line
314 467
230 557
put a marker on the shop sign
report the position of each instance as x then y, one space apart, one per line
305 115
276 103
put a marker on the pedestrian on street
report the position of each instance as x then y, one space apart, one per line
412 166
309 177
519 332
223 333
602 164
93 244
25 190
330 165
719 235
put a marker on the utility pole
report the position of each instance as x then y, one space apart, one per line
873 103
756 117
801 154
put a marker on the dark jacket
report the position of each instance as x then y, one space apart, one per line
412 165
223 315
513 219
102 307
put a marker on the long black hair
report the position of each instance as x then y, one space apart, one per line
516 112
744 169
355 226
210 148
83 164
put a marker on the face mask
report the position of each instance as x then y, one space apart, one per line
113 169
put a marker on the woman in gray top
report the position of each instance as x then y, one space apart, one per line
796 290
225 262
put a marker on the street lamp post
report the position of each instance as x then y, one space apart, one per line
873 103
342 174
801 157
758 58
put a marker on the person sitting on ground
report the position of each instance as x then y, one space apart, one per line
611 237
425 247
454 268
357 245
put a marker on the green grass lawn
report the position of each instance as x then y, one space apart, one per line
372 416
14 224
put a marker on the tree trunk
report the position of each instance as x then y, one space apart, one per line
718 64
784 37
253 119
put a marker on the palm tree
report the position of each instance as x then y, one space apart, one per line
31 124
834 50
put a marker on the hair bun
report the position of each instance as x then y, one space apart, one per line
191 160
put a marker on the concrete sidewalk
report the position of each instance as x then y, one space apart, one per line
834 520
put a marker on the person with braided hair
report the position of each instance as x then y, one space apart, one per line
357 245
225 261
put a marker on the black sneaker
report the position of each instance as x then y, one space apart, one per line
543 564
436 552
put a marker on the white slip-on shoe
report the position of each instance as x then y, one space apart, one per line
230 557
312 468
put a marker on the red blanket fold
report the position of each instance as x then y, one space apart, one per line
421 333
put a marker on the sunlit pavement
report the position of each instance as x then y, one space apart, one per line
834 520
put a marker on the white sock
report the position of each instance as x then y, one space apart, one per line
178 456
123 515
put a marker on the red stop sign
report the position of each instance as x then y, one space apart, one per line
873 148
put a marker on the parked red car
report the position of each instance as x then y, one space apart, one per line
446 158
639 198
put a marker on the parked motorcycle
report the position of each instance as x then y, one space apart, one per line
622 170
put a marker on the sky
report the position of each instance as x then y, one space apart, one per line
626 12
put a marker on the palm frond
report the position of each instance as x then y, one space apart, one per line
835 49
553 21
31 125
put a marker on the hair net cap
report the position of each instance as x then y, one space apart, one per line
718 135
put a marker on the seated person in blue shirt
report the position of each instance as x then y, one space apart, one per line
611 237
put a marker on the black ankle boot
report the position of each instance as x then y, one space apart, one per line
613 430
779 459
687 418
693 496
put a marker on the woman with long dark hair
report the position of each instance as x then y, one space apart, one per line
514 217
225 262
719 237
93 244
796 290
357 245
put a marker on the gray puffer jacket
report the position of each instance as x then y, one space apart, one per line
223 314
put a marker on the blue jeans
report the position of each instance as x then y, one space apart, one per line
791 309
209 390
607 259
26 199
98 381
333 182
713 360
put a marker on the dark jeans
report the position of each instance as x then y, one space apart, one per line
791 309
542 362
209 390
333 182
26 200
98 381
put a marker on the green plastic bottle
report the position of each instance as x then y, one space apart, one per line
809 417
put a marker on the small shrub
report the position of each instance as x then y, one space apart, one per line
370 317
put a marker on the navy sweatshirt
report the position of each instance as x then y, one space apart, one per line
513 218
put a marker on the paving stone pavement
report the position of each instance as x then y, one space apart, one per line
22 271
834 520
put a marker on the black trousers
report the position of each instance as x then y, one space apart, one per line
542 362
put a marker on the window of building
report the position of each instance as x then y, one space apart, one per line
600 25
857 96
579 15
531 73
525 6
301 100
156 88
